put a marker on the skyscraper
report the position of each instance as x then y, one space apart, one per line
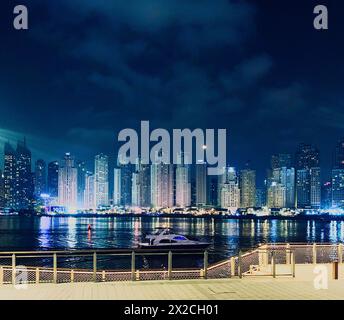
247 188
40 181
281 160
2 190
338 155
338 188
24 177
161 185
89 194
308 186
9 175
229 190
68 184
141 191
201 184
80 165
183 186
101 180
117 187
337 192
53 179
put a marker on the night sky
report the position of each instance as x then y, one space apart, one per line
86 69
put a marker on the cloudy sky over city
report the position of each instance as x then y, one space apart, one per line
86 69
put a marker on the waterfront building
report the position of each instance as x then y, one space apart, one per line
68 184
2 190
9 175
260 197
40 181
101 180
326 195
162 185
276 195
338 188
141 185
81 166
183 187
89 194
338 155
247 188
126 183
117 187
201 184
53 179
229 190
308 189
212 190
315 188
24 177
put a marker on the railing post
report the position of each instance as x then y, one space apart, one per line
72 276
205 264
94 266
232 267
288 255
133 275
273 264
340 253
314 250
169 271
1 275
37 275
335 270
55 268
293 263
239 265
13 268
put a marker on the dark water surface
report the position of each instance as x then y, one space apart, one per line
227 236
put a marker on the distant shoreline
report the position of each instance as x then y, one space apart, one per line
216 217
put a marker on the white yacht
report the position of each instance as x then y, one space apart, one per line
165 238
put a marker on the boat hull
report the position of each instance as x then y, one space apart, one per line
189 247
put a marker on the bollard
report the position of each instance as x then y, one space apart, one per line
314 249
293 263
94 266
205 264
169 271
13 268
335 270
55 268
232 267
133 276
273 264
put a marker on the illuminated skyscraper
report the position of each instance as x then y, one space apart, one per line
161 185
308 186
247 188
80 165
201 184
89 194
9 175
24 177
338 188
101 176
68 184
40 181
229 190
141 191
53 179
117 187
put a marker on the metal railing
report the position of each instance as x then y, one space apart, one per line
88 265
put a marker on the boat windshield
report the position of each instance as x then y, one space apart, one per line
180 238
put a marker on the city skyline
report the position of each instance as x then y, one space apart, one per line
290 182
